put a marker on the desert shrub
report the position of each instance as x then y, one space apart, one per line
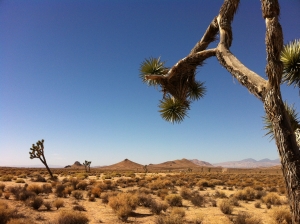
47 188
273 189
203 183
246 218
5 213
281 215
123 204
7 195
185 193
105 196
72 217
36 202
272 199
6 178
226 207
59 190
35 188
169 220
19 181
16 190
82 176
68 190
260 194
92 198
234 201
246 194
58 203
162 193
77 194
48 205
178 212
220 194
38 178
24 195
198 200
79 208
73 181
96 192
174 200
1 193
82 185
157 207
2 187
144 199
257 205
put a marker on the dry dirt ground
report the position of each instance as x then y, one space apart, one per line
214 187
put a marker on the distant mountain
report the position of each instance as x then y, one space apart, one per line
35 166
175 164
200 163
126 164
249 163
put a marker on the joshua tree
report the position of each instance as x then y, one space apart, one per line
37 151
145 168
180 88
87 165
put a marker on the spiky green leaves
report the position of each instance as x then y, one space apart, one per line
196 91
152 66
173 110
290 57
293 116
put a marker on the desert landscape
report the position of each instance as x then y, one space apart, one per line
172 192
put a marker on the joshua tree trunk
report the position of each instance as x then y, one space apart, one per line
47 167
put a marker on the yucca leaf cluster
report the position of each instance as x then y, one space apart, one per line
290 57
178 91
37 151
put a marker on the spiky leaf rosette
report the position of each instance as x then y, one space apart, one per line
152 66
293 116
197 90
173 110
290 57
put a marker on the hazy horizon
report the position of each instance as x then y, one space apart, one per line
69 74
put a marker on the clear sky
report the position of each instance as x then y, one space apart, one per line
69 75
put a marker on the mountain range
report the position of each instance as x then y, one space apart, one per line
174 164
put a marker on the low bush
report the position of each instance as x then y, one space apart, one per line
2 187
174 200
281 215
226 207
272 199
178 212
123 204
82 185
48 205
246 218
20 181
59 190
35 188
58 203
5 213
157 207
185 193
77 194
36 202
198 200
79 208
72 217
169 220
47 188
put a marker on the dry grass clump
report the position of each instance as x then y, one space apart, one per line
6 178
197 199
162 193
81 185
246 218
77 194
226 207
36 202
60 190
96 192
174 200
272 199
35 188
20 181
144 199
6 213
157 207
185 193
169 220
247 194
220 194
72 217
48 205
2 186
123 204
178 212
47 188
58 203
281 215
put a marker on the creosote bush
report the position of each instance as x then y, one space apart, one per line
281 215
226 207
58 203
123 204
174 200
72 217
272 199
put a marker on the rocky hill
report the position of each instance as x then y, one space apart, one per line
200 163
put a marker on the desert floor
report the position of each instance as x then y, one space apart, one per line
256 197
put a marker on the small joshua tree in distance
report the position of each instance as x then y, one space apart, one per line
87 165
37 151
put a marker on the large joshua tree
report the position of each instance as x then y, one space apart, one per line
180 88
37 151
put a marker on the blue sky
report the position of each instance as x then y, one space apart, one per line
69 75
